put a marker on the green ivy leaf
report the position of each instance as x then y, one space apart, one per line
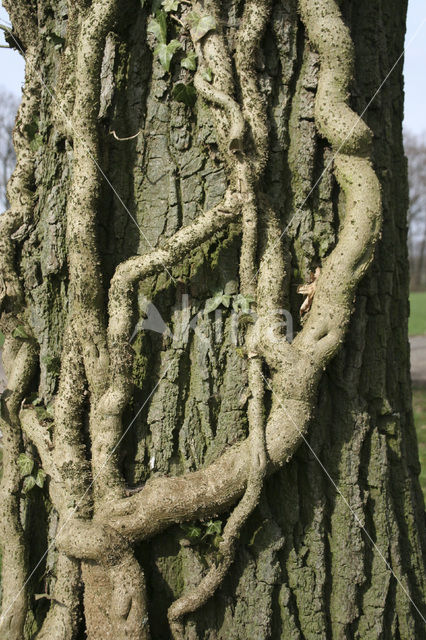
50 410
28 484
242 303
200 25
213 528
213 303
207 75
216 541
190 62
25 464
31 129
158 26
170 5
42 414
218 299
2 339
36 142
191 531
40 478
165 52
185 93
19 332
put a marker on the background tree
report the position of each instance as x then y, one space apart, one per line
8 108
217 483
415 148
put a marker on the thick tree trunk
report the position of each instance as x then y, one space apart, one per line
336 545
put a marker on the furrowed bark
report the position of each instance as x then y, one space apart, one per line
155 430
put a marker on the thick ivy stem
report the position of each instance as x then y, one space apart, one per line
63 617
100 534
14 557
19 359
296 369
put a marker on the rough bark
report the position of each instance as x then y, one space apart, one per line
290 450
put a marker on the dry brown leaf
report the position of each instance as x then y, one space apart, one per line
308 290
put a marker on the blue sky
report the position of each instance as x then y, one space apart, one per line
12 67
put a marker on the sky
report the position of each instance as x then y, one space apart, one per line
12 67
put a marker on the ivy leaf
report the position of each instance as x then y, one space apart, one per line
207 74
214 528
216 541
158 27
165 52
190 62
201 25
40 478
185 93
28 484
25 464
31 129
191 531
50 410
242 303
170 5
36 142
213 303
43 414
19 332
2 339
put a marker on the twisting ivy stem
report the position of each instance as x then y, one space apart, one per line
99 533
19 358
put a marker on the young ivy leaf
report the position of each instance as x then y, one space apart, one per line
25 464
207 74
242 303
218 299
170 5
214 528
213 303
36 142
19 332
191 531
40 478
200 25
31 129
158 26
28 484
185 93
165 53
190 62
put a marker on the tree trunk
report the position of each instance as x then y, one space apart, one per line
205 477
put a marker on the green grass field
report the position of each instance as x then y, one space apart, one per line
417 322
419 406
